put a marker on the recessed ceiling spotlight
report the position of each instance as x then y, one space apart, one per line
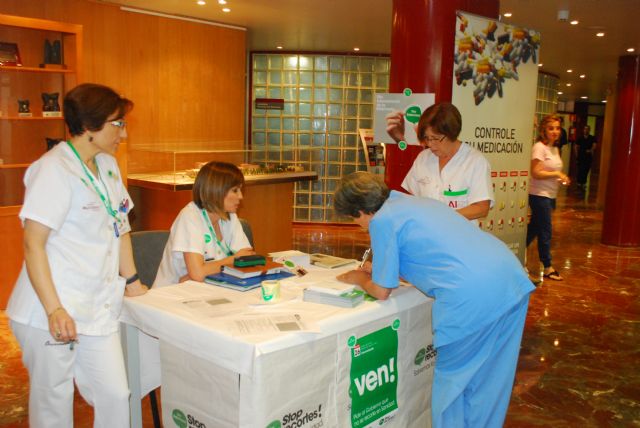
631 50
584 97
226 10
574 22
540 65
507 15
560 92
222 1
569 71
201 2
278 47
568 84
604 101
600 34
356 49
582 76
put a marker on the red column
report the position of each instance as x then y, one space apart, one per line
422 42
621 220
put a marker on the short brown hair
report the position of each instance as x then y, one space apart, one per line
443 118
88 106
213 182
543 124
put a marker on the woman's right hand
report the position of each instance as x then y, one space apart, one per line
395 126
61 325
244 252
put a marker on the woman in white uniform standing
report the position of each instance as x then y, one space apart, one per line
65 306
207 232
447 170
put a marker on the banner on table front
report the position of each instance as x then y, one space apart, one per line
494 87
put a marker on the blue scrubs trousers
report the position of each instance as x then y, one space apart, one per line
474 376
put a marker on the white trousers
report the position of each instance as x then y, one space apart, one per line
95 363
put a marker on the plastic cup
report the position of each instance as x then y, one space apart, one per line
270 290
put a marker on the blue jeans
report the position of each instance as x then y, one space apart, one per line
540 226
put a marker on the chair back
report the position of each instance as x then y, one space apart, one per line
148 246
246 227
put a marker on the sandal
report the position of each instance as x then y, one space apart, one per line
554 275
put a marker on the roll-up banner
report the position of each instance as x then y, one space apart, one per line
494 87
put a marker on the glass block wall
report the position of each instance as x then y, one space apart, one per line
546 97
327 98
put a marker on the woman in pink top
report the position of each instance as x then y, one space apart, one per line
546 177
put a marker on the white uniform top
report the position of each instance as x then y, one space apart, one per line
190 234
464 180
82 248
551 161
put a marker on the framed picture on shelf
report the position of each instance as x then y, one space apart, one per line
9 54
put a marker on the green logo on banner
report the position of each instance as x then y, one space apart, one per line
412 114
402 145
407 91
374 377
179 418
396 324
352 341
274 424
207 238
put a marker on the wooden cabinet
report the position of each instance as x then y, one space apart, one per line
23 139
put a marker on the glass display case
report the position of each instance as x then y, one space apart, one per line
159 166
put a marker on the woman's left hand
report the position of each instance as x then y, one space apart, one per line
357 277
135 289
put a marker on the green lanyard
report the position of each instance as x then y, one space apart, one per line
225 249
106 201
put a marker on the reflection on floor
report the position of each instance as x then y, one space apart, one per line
580 358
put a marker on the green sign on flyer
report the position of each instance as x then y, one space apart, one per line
374 377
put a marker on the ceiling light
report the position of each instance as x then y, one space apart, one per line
222 1
584 97
226 10
569 71
604 101
631 50
507 15
278 47
560 92
582 76
600 34
568 84
540 65
574 22
356 49
201 2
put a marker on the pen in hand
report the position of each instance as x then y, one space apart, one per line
365 256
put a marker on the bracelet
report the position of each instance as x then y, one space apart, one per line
54 311
133 278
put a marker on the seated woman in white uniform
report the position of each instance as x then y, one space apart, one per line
207 233
447 170
78 266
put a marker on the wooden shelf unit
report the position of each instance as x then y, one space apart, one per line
22 139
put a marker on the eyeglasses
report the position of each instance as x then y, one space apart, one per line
119 123
430 138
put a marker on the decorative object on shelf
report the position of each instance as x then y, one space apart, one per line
50 105
23 108
52 142
9 54
52 54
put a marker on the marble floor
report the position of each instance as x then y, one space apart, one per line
580 359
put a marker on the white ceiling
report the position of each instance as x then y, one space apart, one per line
341 25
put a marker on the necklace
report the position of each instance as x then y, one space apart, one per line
225 249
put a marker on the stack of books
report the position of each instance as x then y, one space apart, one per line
329 262
247 278
334 293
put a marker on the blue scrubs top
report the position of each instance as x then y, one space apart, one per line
472 275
